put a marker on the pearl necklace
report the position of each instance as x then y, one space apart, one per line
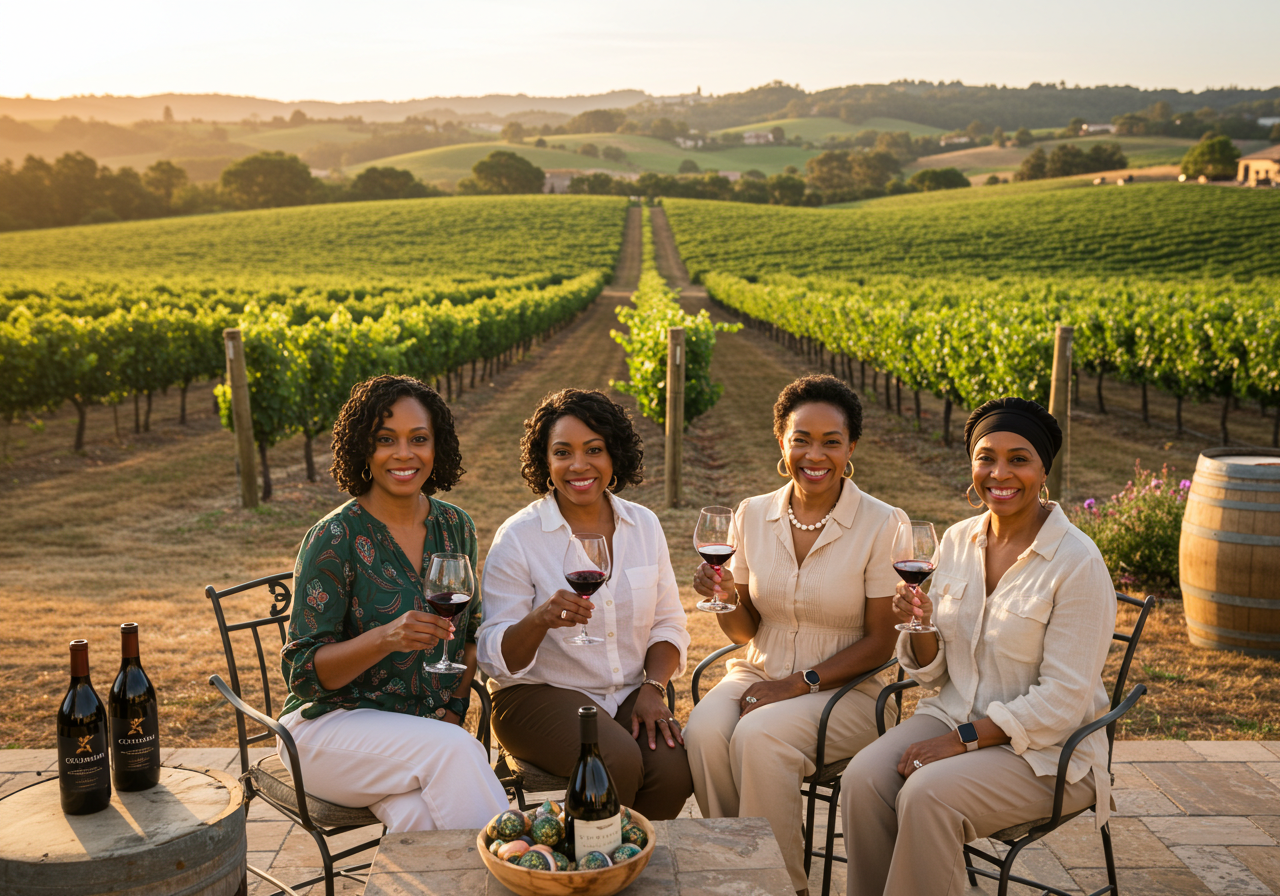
799 525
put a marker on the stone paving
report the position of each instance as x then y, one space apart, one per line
1194 818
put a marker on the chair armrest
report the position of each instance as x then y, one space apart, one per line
883 700
671 697
1064 758
820 756
702 667
272 725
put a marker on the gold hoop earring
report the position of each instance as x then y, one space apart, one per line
849 475
782 468
1044 494
969 500
551 486
366 474
613 481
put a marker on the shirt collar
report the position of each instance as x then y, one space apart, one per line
843 513
1047 540
553 519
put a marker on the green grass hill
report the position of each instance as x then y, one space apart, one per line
818 130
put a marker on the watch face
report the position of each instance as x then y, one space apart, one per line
811 677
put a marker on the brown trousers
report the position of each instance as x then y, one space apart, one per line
539 724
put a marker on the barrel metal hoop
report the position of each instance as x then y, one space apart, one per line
1269 637
1217 597
1234 505
1238 485
1208 460
1269 541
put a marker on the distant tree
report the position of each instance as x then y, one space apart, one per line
663 129
997 137
992 180
541 143
829 171
1033 166
1023 137
1213 157
1107 157
168 114
1160 111
872 170
748 189
389 183
596 121
613 154
298 118
898 143
755 174
925 145
778 134
1130 124
689 166
164 179
1275 133
866 138
589 149
268 180
931 179
976 129
507 172
630 127
124 195
791 169
75 187
513 132
786 189
596 184
1065 160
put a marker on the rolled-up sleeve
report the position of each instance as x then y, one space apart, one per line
320 603
508 598
1077 638
931 677
669 621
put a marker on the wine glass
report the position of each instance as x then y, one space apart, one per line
586 568
715 539
450 585
913 552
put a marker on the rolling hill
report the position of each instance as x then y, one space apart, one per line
819 130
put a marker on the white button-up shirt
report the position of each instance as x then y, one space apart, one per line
1028 656
639 606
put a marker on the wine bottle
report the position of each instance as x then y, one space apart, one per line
135 726
84 769
593 815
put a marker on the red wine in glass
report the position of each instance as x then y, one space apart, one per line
913 572
449 584
448 603
713 538
716 555
585 582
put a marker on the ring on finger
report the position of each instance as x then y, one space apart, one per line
564 614
749 700
917 763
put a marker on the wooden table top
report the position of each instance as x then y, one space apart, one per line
692 857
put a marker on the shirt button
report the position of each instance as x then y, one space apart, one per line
787 667
610 634
608 603
615 668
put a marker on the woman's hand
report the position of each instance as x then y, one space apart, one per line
707 582
452 717
909 602
932 750
762 693
652 713
565 609
415 630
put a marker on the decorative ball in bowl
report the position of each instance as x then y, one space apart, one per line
520 850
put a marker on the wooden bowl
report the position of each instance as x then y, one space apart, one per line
600 882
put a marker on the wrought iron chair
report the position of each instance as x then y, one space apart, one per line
276 783
521 778
1022 835
824 784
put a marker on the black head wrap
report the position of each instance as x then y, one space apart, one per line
1016 415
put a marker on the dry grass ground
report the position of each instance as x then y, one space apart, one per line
135 528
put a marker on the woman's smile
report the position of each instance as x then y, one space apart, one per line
1002 492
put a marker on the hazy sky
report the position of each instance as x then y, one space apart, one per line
401 49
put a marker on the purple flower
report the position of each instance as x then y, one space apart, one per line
1184 484
1156 483
1089 504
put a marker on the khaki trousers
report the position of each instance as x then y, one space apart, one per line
752 766
906 836
539 724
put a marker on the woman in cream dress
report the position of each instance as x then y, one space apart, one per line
814 579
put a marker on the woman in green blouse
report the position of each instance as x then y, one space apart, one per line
372 728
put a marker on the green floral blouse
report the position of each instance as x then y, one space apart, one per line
350 577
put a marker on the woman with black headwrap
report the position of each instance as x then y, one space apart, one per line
1024 610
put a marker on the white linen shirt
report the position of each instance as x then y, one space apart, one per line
1028 656
639 606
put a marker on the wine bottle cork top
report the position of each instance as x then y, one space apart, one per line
587 712
128 627
80 644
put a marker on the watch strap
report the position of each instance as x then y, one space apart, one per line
814 687
968 736
458 705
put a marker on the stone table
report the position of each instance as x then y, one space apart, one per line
692 857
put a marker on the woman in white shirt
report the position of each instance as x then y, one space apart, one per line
1025 610
578 452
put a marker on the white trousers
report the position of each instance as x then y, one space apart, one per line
414 774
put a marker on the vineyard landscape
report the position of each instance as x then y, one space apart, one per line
120 454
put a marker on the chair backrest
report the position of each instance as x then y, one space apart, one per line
1131 640
281 596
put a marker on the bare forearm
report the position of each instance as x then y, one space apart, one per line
925 647
661 661
858 658
338 664
740 625
521 641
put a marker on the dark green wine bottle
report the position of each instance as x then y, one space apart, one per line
84 768
135 726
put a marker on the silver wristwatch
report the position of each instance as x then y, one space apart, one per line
812 680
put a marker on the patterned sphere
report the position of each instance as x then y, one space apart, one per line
511 824
547 830
594 861
624 852
634 834
536 860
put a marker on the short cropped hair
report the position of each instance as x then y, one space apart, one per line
363 414
815 388
603 416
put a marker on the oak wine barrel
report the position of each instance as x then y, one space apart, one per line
1229 551
183 837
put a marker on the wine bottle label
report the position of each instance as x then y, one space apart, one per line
82 763
597 836
137 742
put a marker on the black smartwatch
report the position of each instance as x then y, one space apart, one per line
812 680
968 736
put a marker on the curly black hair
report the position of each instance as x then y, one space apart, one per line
370 404
603 416
818 387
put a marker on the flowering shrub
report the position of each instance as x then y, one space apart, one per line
1137 530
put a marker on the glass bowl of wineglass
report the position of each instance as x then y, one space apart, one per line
586 568
715 538
450 585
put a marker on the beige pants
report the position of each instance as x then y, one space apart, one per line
752 766
906 836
